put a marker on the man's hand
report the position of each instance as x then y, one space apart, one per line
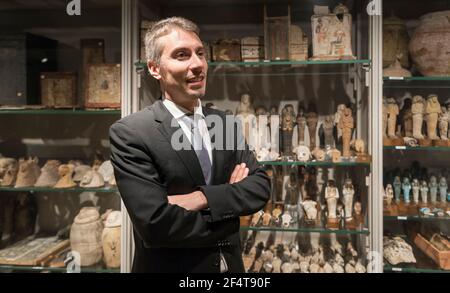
194 201
240 172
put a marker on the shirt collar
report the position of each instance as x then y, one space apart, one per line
178 111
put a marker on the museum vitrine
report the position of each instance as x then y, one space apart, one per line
60 90
298 75
416 85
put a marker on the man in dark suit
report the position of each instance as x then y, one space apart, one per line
184 203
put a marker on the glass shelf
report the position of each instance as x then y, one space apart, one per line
417 78
55 270
415 218
417 82
307 164
412 270
418 148
49 189
276 68
306 230
11 111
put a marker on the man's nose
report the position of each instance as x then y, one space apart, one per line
197 63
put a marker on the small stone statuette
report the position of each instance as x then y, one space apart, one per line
433 185
444 119
416 190
417 111
397 188
443 187
406 187
311 120
432 109
348 193
392 111
332 196
424 192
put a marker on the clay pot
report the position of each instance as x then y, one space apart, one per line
86 236
428 46
111 240
395 41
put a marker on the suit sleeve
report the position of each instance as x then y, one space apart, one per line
158 223
246 197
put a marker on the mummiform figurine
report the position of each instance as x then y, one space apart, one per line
406 187
444 119
346 125
348 192
331 196
389 194
301 125
432 109
433 187
443 190
311 120
416 190
424 192
417 111
397 188
392 111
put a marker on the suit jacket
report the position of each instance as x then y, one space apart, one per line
167 237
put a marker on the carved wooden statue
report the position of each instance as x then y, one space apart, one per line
337 118
385 117
287 129
347 125
311 120
417 111
246 114
301 125
432 109
392 111
328 127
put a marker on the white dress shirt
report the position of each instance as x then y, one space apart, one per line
179 112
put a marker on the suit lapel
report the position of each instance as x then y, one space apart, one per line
187 156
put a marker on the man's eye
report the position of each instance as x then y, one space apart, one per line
181 55
201 53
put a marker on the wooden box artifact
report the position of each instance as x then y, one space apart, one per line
103 86
22 58
58 89
32 251
226 50
332 34
298 44
440 257
276 36
93 51
252 49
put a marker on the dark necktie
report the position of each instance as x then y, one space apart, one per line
199 146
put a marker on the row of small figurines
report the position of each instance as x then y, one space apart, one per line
335 210
24 173
416 113
421 188
302 153
284 258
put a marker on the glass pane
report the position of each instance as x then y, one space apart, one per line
60 90
416 148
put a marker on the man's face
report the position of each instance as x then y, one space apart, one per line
183 68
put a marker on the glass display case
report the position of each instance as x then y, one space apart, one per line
416 160
60 90
307 67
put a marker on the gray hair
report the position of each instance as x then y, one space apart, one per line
153 48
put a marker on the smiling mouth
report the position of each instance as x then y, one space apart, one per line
196 79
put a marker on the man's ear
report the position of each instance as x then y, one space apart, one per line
154 70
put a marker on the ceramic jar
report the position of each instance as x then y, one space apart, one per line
111 240
430 42
86 236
